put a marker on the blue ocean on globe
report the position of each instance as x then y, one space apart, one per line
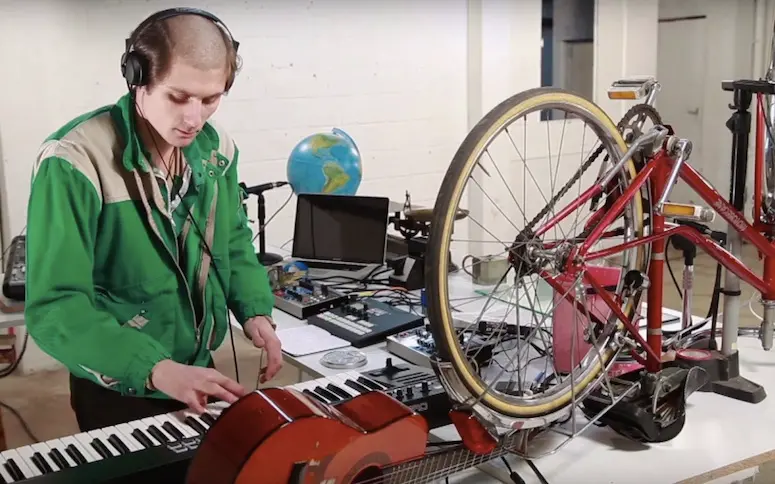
325 163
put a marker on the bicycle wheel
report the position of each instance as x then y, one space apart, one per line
438 262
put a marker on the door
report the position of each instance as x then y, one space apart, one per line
681 51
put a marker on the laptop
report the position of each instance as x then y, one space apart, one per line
340 235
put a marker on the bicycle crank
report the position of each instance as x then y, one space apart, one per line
654 412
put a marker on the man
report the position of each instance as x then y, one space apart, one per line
137 243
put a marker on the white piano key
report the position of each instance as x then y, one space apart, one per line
182 416
340 383
125 438
20 461
85 440
184 429
136 424
148 421
102 437
217 408
86 453
4 473
61 447
126 433
44 449
354 376
25 456
305 385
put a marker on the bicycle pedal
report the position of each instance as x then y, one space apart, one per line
688 212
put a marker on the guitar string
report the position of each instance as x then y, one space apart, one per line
438 473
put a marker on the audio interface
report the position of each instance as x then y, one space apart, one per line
305 298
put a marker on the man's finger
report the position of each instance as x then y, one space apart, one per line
228 384
195 404
259 342
217 391
273 366
232 386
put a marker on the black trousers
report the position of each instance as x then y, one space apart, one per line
96 406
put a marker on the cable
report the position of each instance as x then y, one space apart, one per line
513 475
21 420
261 229
670 270
197 228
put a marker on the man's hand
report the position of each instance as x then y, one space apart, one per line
259 329
193 385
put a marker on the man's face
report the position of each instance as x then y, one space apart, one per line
179 105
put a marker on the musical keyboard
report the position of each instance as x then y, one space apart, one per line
161 447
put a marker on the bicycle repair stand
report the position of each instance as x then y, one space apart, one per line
723 366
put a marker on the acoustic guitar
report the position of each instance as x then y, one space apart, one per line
281 436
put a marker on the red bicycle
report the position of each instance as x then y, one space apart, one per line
581 249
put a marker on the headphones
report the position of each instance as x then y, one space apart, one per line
135 66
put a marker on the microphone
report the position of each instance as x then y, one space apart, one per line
258 189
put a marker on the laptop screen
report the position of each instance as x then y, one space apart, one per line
341 228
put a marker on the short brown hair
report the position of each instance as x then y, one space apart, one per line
158 42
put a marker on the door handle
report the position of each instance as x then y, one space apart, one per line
694 112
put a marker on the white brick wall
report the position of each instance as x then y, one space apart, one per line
392 74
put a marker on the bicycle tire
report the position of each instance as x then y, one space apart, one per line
445 207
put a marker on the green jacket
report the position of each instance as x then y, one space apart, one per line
112 288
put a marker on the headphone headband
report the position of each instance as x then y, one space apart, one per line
133 66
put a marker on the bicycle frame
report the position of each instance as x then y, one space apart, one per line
658 172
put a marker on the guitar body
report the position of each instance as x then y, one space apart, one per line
281 436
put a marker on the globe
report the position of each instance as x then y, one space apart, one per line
325 163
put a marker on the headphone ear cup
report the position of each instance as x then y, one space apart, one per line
134 69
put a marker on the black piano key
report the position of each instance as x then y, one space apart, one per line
142 438
3 481
118 445
357 386
40 463
14 470
330 396
101 449
76 455
196 425
173 431
158 434
335 389
58 459
314 395
369 383
209 419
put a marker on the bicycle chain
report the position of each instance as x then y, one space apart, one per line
623 123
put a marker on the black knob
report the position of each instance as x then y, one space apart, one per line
389 363
399 394
425 388
409 392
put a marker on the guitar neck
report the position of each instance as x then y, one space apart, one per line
440 464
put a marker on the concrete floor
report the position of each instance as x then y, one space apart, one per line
43 399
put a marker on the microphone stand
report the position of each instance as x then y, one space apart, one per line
266 258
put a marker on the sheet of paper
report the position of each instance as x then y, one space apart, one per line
308 339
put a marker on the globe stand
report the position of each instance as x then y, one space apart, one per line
264 257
